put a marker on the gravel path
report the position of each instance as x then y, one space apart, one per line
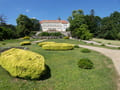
96 43
34 42
113 54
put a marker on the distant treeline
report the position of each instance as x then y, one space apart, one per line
23 28
83 25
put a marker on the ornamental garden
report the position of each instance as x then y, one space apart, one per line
55 63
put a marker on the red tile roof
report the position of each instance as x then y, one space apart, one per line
54 21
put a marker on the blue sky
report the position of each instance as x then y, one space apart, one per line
52 9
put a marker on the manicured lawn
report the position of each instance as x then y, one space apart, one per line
113 42
65 74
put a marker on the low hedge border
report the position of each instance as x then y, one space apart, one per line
58 46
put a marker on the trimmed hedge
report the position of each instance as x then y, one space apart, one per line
58 46
76 46
44 43
50 34
25 43
66 37
85 63
26 37
22 63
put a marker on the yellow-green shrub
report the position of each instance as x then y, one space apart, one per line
58 46
25 43
66 37
44 43
26 37
22 63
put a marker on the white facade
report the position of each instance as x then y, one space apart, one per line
54 25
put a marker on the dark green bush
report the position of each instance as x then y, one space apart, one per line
109 43
92 43
76 46
118 47
85 63
102 44
3 43
50 34
85 50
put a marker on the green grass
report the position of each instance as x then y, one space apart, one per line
65 73
113 42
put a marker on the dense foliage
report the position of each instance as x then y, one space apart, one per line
7 32
107 27
50 34
85 63
36 24
24 27
22 63
81 26
78 27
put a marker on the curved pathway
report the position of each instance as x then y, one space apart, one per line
113 54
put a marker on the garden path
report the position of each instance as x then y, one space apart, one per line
113 54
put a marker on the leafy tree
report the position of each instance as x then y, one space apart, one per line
69 19
24 25
92 12
6 33
36 24
59 18
83 33
110 26
76 20
93 22
2 20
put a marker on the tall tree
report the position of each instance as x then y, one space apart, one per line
59 18
76 20
2 20
36 24
92 12
93 22
24 25
110 26
83 33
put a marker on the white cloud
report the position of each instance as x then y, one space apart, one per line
34 17
27 10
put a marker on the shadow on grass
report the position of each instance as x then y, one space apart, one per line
45 75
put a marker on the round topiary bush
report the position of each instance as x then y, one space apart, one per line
85 63
84 50
118 47
76 46
26 37
22 63
66 37
25 43
44 43
58 46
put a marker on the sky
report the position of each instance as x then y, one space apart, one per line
52 9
